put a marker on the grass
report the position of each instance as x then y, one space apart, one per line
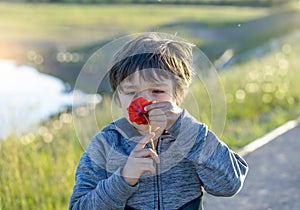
37 170
83 23
40 26
262 94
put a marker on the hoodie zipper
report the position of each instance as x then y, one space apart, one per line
158 194
158 150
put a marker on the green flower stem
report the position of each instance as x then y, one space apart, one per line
151 140
149 125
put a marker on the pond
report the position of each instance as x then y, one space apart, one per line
28 97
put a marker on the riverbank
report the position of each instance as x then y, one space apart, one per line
28 97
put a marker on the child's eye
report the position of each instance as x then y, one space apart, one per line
158 91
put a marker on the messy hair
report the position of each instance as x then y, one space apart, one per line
168 54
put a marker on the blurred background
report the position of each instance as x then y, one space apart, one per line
44 44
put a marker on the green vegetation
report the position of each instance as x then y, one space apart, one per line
218 2
262 94
37 170
86 24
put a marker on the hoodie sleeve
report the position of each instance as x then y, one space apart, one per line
221 171
93 188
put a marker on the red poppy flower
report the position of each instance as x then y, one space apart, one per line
136 111
138 115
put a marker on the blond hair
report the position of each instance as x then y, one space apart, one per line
168 53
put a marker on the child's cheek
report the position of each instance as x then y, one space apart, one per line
166 98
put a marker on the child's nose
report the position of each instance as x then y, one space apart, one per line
147 95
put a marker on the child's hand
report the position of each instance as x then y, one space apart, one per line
140 161
163 114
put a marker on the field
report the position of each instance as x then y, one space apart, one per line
37 26
262 90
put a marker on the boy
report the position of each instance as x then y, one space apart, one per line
120 169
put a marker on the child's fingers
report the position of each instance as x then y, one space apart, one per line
158 124
141 144
136 166
146 164
152 171
157 118
162 108
158 105
147 153
157 112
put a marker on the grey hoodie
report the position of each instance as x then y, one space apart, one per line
191 158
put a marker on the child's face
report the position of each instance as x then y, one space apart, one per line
159 90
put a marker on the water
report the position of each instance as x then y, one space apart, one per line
28 97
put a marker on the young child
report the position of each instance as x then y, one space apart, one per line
120 169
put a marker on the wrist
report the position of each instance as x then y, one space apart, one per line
130 181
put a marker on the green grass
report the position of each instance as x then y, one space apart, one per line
37 170
262 94
40 26
59 22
